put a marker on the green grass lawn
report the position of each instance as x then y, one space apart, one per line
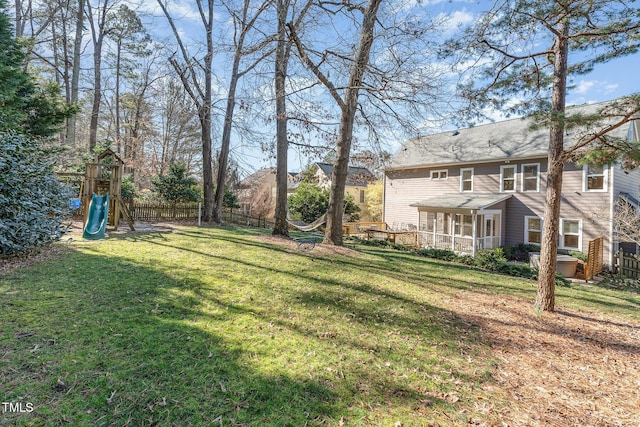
213 327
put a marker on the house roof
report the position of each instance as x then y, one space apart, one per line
356 176
256 177
509 139
468 202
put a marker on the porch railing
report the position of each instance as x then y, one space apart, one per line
459 244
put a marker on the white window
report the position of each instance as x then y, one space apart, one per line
464 225
427 221
531 177
466 180
508 178
439 174
571 234
594 178
533 230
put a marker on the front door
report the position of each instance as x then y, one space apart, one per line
489 232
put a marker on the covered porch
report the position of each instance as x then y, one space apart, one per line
460 222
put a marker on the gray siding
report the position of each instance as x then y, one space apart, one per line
404 187
627 181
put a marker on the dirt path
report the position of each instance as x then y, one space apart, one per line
566 368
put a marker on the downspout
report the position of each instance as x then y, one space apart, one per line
611 205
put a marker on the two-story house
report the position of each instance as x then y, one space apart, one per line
358 178
484 187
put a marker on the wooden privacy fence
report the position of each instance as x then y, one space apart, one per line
154 211
237 217
145 211
627 265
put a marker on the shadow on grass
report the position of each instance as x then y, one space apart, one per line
87 344
132 344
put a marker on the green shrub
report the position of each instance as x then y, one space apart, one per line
442 254
33 203
578 254
310 202
519 270
128 190
466 259
519 252
491 259
176 186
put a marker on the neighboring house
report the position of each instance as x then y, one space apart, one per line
484 187
257 192
357 181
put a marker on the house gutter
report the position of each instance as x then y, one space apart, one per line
474 162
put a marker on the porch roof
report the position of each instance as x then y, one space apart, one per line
461 202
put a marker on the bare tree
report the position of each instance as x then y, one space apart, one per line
99 26
626 221
283 54
348 105
244 21
72 94
129 36
178 137
189 69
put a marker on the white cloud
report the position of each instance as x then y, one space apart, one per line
584 86
455 20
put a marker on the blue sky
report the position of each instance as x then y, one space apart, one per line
608 81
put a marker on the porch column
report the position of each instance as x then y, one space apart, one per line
435 229
452 230
474 233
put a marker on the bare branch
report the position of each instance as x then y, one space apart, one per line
314 68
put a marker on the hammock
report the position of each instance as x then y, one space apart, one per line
307 227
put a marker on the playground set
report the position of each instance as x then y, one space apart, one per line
99 197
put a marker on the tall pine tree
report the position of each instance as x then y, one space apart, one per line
529 50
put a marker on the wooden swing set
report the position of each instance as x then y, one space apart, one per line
103 176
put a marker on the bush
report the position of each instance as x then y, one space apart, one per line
310 202
580 255
491 259
176 186
33 203
519 252
128 190
442 254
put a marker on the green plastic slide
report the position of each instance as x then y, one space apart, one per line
98 214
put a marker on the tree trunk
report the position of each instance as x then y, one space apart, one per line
280 227
117 96
97 95
333 234
545 297
19 19
75 72
207 163
98 39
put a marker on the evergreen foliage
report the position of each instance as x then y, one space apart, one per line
33 203
128 189
310 202
230 199
176 186
35 110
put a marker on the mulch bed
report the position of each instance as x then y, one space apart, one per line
567 368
